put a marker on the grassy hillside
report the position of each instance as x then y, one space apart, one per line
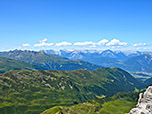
48 61
31 92
10 64
120 103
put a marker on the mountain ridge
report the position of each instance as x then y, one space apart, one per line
80 54
11 64
25 91
48 61
109 58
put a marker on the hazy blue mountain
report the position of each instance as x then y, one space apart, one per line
142 63
84 54
132 61
138 64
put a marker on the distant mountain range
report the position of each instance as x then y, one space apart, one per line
32 92
132 61
85 54
141 63
48 61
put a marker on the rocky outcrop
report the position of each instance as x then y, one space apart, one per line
144 105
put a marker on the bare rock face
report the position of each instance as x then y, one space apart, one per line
144 105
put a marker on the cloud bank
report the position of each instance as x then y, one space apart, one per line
102 44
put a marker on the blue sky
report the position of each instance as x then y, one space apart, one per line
79 24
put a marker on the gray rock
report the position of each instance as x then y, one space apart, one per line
144 105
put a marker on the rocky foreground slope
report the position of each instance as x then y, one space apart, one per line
144 105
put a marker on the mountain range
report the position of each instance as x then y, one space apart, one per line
31 82
82 54
131 61
48 61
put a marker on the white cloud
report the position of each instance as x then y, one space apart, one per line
92 44
116 42
139 44
63 44
25 45
102 42
87 43
43 43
